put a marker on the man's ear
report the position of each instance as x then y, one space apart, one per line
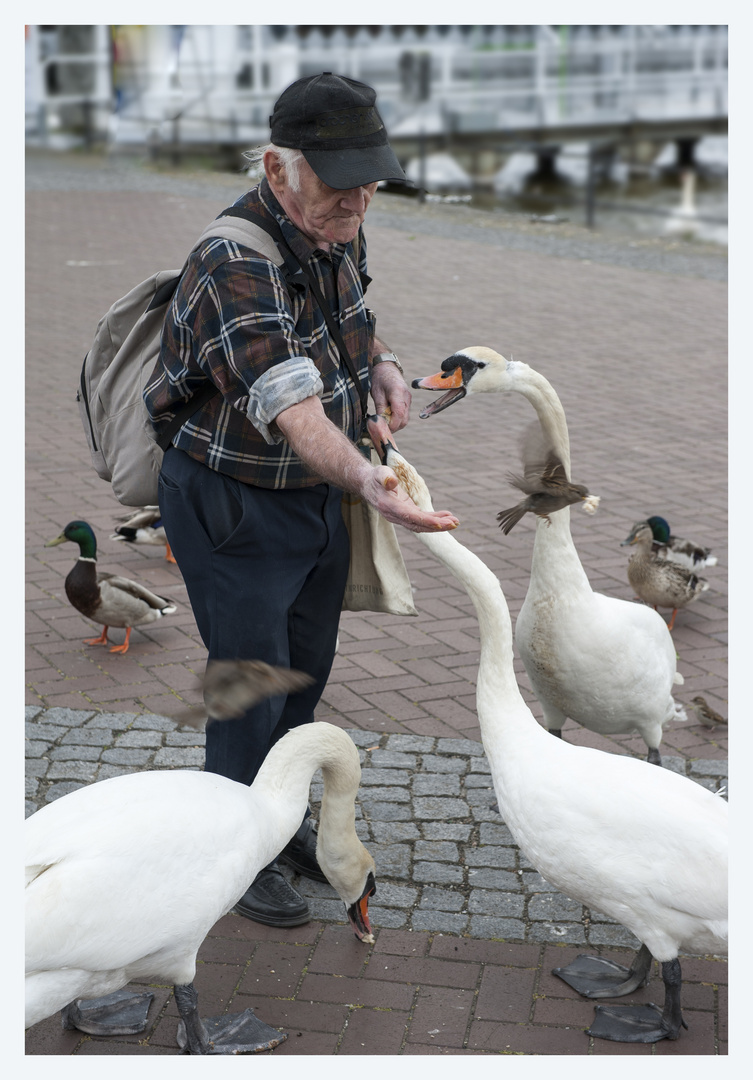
274 171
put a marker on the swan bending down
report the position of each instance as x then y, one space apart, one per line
125 878
581 817
607 663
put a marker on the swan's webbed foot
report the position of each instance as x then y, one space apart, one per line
557 732
121 1013
644 1023
597 977
653 757
243 1033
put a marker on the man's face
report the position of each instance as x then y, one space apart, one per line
324 214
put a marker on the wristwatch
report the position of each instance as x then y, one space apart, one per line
387 357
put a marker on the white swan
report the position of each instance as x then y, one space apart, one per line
607 663
126 877
581 817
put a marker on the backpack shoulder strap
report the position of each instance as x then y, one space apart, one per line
242 230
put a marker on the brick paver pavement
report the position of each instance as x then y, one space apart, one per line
635 346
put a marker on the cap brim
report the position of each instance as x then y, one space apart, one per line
341 169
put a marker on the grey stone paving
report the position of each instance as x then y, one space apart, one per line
446 862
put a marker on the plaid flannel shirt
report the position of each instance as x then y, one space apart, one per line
266 346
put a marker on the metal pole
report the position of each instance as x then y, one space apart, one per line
591 189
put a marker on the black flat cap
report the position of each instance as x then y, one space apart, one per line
335 123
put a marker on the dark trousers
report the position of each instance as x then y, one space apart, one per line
265 573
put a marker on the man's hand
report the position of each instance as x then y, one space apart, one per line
384 493
330 455
391 395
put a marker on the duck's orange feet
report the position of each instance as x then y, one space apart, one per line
101 640
169 555
671 622
124 647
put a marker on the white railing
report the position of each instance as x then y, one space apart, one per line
218 83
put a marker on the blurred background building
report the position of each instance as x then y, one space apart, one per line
467 108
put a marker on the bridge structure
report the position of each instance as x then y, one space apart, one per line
464 89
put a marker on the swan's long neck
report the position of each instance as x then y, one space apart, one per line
285 778
496 683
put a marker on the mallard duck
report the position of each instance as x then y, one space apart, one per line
607 663
645 846
672 548
657 581
107 598
144 526
125 878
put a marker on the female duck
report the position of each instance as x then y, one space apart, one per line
107 598
125 878
581 817
657 581
608 664
144 526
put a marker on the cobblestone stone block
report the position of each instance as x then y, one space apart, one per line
570 933
486 926
490 833
140 739
153 722
554 907
380 777
609 934
73 770
440 873
388 811
391 759
435 764
88 737
489 855
395 831
119 721
436 850
467 747
440 830
133 758
435 784
75 753
494 879
415 744
68 717
178 758
441 899
440 809
392 860
494 902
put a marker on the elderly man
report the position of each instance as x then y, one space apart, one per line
251 486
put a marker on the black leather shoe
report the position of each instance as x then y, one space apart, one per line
300 852
272 900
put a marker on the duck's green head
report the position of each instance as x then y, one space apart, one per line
660 529
81 533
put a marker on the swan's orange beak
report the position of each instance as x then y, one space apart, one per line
358 913
452 381
443 380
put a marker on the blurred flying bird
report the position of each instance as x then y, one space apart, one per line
233 686
544 482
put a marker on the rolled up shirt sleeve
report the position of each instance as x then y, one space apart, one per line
277 389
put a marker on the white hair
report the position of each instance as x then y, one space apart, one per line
289 159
